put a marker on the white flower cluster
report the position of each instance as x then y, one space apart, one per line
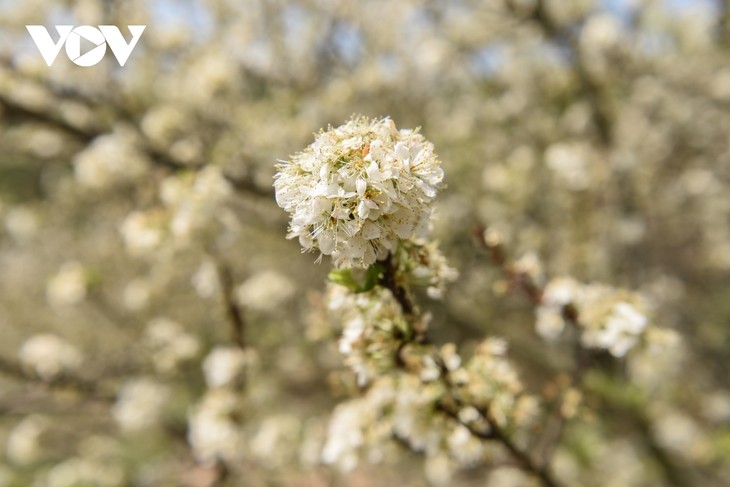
214 427
169 344
410 390
359 427
224 367
140 404
358 189
610 319
277 441
427 266
23 444
489 381
214 432
406 407
195 201
369 322
191 204
110 159
84 471
267 290
143 231
49 356
205 280
68 286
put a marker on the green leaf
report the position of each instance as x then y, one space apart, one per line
344 277
372 276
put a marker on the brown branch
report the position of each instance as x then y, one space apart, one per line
66 380
389 280
159 157
495 433
542 472
233 312
13 109
516 279
674 474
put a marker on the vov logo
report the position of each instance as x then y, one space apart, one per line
71 36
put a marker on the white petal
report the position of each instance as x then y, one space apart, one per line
370 231
361 186
326 243
404 228
362 209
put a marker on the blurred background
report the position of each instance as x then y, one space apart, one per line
154 319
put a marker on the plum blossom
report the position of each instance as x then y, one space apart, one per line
358 189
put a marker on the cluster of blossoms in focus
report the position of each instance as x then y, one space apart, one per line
441 412
425 396
454 411
358 189
152 310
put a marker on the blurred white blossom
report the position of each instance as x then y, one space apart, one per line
109 160
198 203
205 280
608 318
143 232
140 404
170 344
265 291
21 223
214 431
68 286
49 356
224 366
23 445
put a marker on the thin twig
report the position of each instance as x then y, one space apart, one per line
233 312
389 280
62 381
542 472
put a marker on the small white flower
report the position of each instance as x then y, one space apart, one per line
224 366
620 332
49 356
608 318
23 445
21 223
358 189
108 160
68 286
205 280
195 202
137 294
139 405
345 434
143 232
170 344
265 291
213 431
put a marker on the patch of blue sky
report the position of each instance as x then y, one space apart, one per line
295 19
624 8
349 42
487 61
685 6
192 13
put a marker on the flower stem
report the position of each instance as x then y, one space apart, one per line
389 280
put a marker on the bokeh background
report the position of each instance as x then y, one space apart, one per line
139 231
